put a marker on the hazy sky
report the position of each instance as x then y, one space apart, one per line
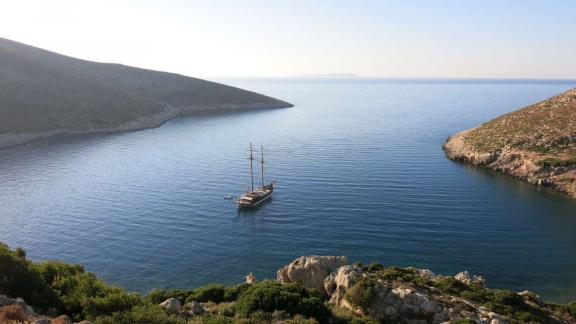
408 38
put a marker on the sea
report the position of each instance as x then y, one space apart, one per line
360 172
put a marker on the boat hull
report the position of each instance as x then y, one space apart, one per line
255 198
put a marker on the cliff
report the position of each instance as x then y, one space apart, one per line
536 144
44 93
311 289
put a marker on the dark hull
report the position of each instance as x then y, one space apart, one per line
256 197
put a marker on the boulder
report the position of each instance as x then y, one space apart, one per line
251 278
6 301
339 281
464 277
310 271
194 308
171 304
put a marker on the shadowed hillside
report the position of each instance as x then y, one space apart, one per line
41 91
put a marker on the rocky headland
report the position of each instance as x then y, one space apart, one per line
536 144
311 289
43 93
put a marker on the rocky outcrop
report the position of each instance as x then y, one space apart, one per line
536 144
310 271
339 281
250 278
171 304
15 310
411 295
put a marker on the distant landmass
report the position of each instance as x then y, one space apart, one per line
536 144
330 75
43 93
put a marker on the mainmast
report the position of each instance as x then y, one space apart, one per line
262 164
251 168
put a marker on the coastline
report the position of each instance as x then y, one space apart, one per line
141 123
516 163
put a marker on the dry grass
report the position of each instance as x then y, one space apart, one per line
547 127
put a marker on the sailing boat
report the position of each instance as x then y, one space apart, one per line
255 197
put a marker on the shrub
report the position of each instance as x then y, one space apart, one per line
149 314
20 278
373 267
233 292
213 293
362 293
572 308
268 296
556 163
118 301
158 296
450 285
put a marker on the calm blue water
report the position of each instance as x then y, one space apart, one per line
361 173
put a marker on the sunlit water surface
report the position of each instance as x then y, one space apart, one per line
360 171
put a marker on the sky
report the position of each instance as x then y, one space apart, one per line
277 38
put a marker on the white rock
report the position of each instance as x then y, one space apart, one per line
339 281
194 308
171 304
251 278
310 271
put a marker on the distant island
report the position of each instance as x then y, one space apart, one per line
309 290
536 144
43 93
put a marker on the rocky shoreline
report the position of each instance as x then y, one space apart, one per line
535 144
519 164
311 289
141 123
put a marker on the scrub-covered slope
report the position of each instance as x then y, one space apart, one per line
536 144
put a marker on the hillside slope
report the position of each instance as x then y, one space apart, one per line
536 144
42 92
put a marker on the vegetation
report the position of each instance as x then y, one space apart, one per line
544 127
270 296
55 288
557 163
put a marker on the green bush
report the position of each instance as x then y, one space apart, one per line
158 296
450 285
572 308
233 292
373 267
362 293
213 293
20 278
148 314
268 296
118 301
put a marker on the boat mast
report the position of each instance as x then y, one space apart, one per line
251 168
262 164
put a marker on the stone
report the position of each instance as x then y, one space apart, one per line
194 308
339 281
171 304
429 307
310 271
251 278
464 277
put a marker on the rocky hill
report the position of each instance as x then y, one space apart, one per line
43 93
536 144
311 289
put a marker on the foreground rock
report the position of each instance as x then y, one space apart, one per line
310 271
171 304
410 295
536 144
